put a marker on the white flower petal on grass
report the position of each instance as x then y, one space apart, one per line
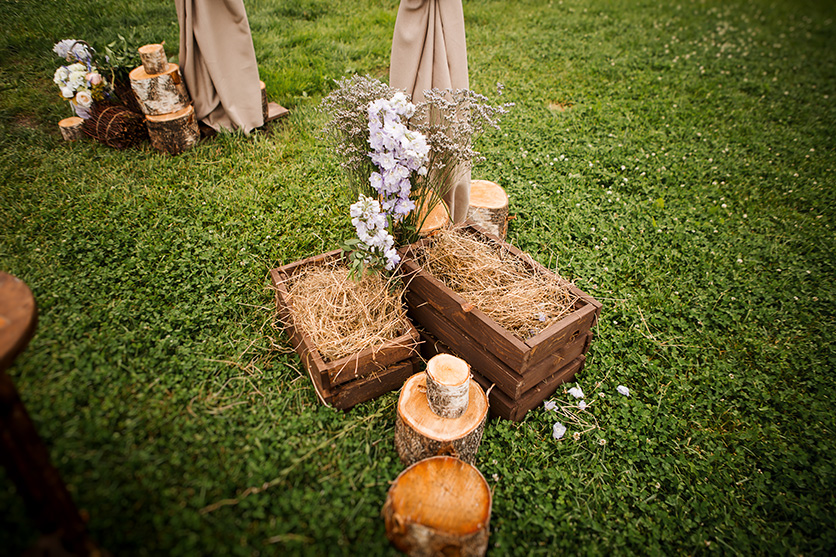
550 404
582 405
576 392
559 430
623 390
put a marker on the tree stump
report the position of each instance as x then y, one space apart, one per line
162 93
71 128
448 379
489 207
153 59
175 132
421 433
435 220
439 506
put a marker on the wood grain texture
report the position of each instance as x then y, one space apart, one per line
439 506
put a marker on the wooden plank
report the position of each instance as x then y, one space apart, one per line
374 358
301 342
503 344
361 390
575 325
503 406
473 351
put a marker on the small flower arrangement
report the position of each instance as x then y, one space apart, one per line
79 81
400 158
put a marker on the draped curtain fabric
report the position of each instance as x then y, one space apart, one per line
217 60
429 51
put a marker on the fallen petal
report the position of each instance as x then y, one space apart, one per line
576 392
623 390
559 430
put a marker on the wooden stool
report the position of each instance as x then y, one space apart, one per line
22 451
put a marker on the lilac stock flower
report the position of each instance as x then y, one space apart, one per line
576 392
559 430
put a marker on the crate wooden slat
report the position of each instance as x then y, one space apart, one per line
522 370
356 378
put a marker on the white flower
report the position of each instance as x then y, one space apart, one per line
67 93
83 99
576 392
582 405
549 404
576 436
61 75
623 390
559 430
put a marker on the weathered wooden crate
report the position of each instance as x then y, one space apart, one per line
356 378
524 372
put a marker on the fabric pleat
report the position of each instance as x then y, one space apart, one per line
429 51
217 60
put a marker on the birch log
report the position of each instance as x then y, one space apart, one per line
153 59
175 132
448 379
421 433
71 128
489 207
439 506
161 93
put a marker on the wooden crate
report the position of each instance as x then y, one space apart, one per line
525 372
356 378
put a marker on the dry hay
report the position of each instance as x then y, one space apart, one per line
342 316
497 282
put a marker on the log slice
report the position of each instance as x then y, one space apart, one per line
439 506
420 433
161 93
71 128
489 207
153 58
175 133
448 379
437 218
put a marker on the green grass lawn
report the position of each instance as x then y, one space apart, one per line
675 159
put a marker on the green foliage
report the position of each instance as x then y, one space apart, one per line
675 160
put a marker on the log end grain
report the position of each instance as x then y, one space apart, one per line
437 218
71 128
421 433
153 58
439 506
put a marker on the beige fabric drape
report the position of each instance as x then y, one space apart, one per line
217 60
429 51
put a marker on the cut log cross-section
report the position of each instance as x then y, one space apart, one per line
162 93
421 433
448 382
153 58
71 128
175 132
439 506
489 207
435 220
